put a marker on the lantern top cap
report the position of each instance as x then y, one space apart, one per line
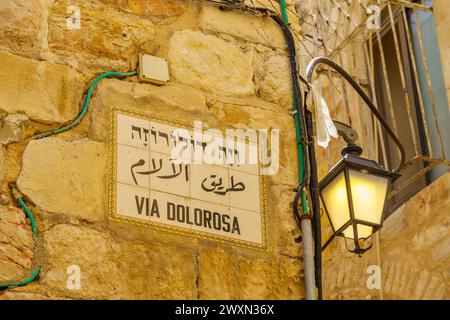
354 162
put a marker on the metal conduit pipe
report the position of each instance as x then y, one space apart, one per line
302 139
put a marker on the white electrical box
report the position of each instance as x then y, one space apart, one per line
153 69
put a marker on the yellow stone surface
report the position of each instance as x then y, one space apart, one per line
104 33
210 63
275 82
246 27
56 89
248 278
66 177
150 8
227 69
16 245
115 269
21 26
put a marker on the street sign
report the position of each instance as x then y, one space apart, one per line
150 185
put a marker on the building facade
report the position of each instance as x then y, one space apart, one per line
229 69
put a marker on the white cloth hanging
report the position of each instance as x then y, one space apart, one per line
325 128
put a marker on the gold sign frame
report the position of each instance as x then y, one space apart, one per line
112 189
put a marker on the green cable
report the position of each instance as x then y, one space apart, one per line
300 152
86 104
22 282
284 11
29 215
16 194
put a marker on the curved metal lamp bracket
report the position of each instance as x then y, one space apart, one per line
346 132
363 95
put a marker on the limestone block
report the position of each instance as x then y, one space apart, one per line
247 115
16 244
88 249
429 236
441 253
223 275
440 12
396 225
218 275
21 26
65 177
150 8
283 229
170 101
11 128
275 83
116 269
42 90
210 63
156 271
417 211
250 28
103 32
280 278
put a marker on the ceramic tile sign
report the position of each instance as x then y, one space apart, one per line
217 201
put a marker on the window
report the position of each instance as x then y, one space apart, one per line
406 99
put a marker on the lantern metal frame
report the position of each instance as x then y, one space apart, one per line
350 159
354 162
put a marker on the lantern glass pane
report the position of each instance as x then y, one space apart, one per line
363 231
334 196
368 194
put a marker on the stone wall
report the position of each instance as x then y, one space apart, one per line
227 69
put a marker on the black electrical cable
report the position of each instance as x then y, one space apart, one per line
315 204
299 107
308 145
305 179
306 131
294 73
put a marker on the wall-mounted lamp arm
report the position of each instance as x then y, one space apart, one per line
346 132
363 95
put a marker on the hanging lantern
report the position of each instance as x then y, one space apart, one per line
354 197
